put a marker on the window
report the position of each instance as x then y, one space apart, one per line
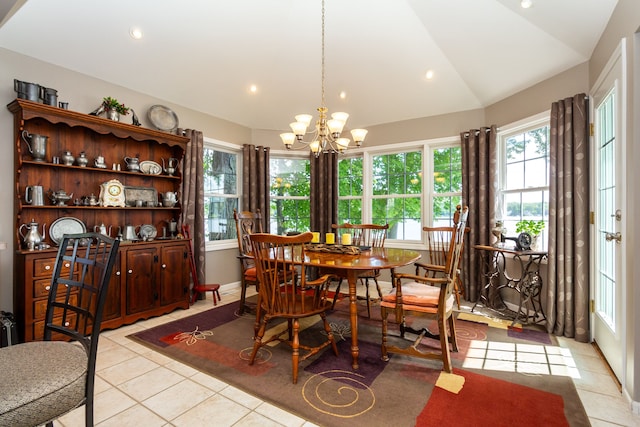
221 192
290 204
397 193
447 184
350 186
525 182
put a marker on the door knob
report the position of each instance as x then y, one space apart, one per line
613 236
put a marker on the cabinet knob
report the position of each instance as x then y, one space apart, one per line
130 271
47 288
164 265
66 323
47 267
117 273
67 265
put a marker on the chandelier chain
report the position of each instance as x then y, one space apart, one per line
322 54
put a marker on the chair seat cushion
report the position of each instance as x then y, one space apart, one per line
250 274
418 297
41 380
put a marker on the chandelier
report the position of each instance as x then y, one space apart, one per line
326 137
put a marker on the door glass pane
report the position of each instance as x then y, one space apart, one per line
606 283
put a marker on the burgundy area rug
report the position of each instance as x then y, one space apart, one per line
510 377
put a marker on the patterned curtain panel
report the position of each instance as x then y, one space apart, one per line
568 282
480 193
192 198
324 192
255 181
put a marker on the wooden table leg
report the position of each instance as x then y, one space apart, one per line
352 278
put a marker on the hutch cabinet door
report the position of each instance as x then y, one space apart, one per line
113 304
174 274
141 279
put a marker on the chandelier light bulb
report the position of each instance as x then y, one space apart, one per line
299 128
335 126
288 138
315 147
358 135
304 118
342 143
340 116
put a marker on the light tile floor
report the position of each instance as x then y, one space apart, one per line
137 386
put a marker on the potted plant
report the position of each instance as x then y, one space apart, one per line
114 108
533 227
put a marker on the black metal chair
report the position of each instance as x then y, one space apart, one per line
43 380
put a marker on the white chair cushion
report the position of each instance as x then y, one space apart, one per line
419 297
41 380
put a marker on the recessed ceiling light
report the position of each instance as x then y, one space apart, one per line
526 4
343 95
135 33
253 88
429 74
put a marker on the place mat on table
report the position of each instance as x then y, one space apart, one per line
338 249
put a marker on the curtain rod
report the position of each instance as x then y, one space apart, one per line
477 132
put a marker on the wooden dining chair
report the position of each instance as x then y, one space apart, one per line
246 224
438 239
43 380
426 297
286 293
199 288
369 235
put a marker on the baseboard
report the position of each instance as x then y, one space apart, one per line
228 287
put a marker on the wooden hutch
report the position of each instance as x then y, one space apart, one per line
151 276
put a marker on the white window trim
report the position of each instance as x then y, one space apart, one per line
529 123
535 121
218 145
426 147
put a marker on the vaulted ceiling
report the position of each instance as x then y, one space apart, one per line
206 54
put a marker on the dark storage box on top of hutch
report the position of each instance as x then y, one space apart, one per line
150 278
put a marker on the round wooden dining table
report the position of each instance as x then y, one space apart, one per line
351 267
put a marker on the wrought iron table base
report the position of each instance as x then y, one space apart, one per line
528 284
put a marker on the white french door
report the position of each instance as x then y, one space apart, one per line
608 150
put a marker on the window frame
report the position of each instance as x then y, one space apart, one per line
427 148
279 154
527 124
217 145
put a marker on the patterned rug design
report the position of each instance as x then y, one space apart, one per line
497 385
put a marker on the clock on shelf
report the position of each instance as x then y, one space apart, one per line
112 194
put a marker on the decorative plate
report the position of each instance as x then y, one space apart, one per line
150 168
163 118
65 225
148 232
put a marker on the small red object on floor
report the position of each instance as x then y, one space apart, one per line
198 288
